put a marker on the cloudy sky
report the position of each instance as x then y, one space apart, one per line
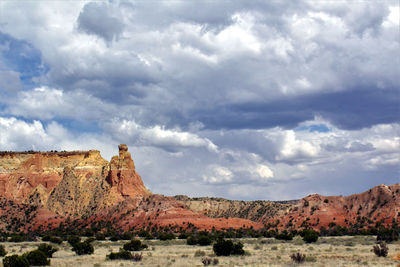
237 99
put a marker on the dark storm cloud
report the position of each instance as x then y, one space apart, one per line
351 109
97 19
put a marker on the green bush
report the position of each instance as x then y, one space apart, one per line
284 235
15 261
47 249
237 249
17 238
387 235
191 240
134 245
227 247
100 236
121 255
3 251
204 240
37 258
166 236
82 248
73 239
223 247
310 236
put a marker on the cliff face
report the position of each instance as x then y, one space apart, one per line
69 183
43 189
380 203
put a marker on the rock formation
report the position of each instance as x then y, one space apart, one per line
379 204
79 183
43 189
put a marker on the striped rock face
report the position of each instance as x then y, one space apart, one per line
74 183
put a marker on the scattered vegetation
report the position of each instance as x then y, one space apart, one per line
15 261
298 257
3 251
135 245
121 255
310 236
82 248
52 239
47 249
37 258
381 249
227 247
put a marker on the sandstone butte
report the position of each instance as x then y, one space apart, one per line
43 189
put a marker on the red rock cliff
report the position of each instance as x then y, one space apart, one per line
69 183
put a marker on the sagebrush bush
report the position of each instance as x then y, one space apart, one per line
380 249
310 236
82 248
204 240
15 261
47 249
121 255
3 251
191 240
135 245
73 239
37 258
227 247
206 261
298 257
137 257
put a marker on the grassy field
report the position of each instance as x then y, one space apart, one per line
328 251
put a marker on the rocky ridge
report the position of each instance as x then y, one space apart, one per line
44 189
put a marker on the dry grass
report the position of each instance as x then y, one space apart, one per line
328 251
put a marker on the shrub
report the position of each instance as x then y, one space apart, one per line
47 249
237 249
166 236
227 247
298 257
223 247
204 240
82 248
135 245
137 257
191 240
3 251
206 261
284 235
310 236
380 249
121 255
387 235
73 239
115 238
100 236
17 238
37 258
15 261
183 235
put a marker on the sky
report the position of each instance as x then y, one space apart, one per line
244 100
